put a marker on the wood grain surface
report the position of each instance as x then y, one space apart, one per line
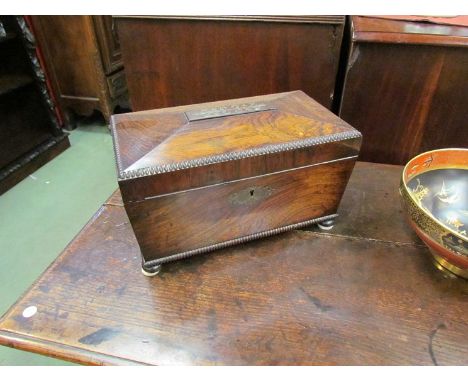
152 138
405 97
141 188
239 169
363 293
183 60
184 221
83 58
376 29
166 136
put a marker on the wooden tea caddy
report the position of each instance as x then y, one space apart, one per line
201 177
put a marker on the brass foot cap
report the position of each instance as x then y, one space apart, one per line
152 271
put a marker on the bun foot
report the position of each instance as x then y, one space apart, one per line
326 225
151 271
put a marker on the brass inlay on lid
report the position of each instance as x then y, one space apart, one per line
226 111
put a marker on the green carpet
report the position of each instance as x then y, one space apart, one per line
40 215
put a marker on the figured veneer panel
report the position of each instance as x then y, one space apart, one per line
185 60
170 224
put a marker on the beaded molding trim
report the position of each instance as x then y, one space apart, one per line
115 143
147 265
270 149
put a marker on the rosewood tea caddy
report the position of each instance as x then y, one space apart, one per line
202 177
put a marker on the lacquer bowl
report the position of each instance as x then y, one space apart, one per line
434 193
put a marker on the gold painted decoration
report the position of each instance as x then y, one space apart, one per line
434 191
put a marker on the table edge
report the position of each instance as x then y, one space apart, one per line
61 351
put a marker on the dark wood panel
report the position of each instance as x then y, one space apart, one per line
8 36
117 84
109 44
81 52
70 54
9 83
185 221
24 123
29 129
371 29
138 189
406 99
31 161
172 62
13 57
298 298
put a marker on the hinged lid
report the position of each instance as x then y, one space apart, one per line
198 145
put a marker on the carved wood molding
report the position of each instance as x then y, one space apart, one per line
148 265
30 44
199 162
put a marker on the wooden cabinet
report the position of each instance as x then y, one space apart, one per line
184 60
30 134
109 44
82 54
406 87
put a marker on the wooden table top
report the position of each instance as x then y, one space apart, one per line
364 293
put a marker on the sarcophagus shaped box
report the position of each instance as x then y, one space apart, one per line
201 177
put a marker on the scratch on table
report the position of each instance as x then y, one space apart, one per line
316 301
99 336
431 339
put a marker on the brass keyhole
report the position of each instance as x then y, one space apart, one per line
250 195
